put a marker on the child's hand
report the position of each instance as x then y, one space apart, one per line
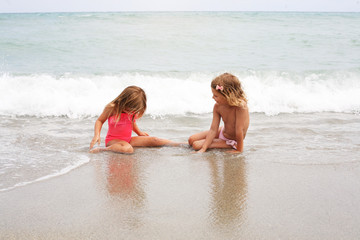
93 141
195 152
143 134
201 151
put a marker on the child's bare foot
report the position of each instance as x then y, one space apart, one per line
97 150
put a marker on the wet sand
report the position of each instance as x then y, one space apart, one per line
168 193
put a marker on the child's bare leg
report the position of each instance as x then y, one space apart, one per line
147 141
197 137
97 149
197 145
216 143
118 146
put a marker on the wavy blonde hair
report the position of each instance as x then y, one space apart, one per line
230 87
131 100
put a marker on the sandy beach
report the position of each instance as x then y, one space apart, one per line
164 193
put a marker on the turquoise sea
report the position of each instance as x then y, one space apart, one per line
301 73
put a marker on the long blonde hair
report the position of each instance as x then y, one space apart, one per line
131 100
230 87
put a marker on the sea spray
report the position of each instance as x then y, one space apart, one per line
269 92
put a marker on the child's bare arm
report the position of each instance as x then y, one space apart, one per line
241 118
137 130
240 144
213 130
98 125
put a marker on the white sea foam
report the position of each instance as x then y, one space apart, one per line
171 93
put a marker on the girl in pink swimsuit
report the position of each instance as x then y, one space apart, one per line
121 114
231 107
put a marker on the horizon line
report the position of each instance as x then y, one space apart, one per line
182 11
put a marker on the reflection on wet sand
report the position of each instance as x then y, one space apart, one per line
123 179
204 194
123 188
229 190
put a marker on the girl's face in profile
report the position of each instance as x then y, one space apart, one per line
218 97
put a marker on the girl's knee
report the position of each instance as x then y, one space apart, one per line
191 140
197 145
128 149
155 141
121 148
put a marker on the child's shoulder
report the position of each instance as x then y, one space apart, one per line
223 109
243 106
109 109
218 106
110 106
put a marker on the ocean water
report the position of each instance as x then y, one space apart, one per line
300 71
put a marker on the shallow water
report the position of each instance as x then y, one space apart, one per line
34 149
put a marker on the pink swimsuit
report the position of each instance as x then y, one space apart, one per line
121 130
230 142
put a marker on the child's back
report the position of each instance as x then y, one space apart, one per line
231 107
